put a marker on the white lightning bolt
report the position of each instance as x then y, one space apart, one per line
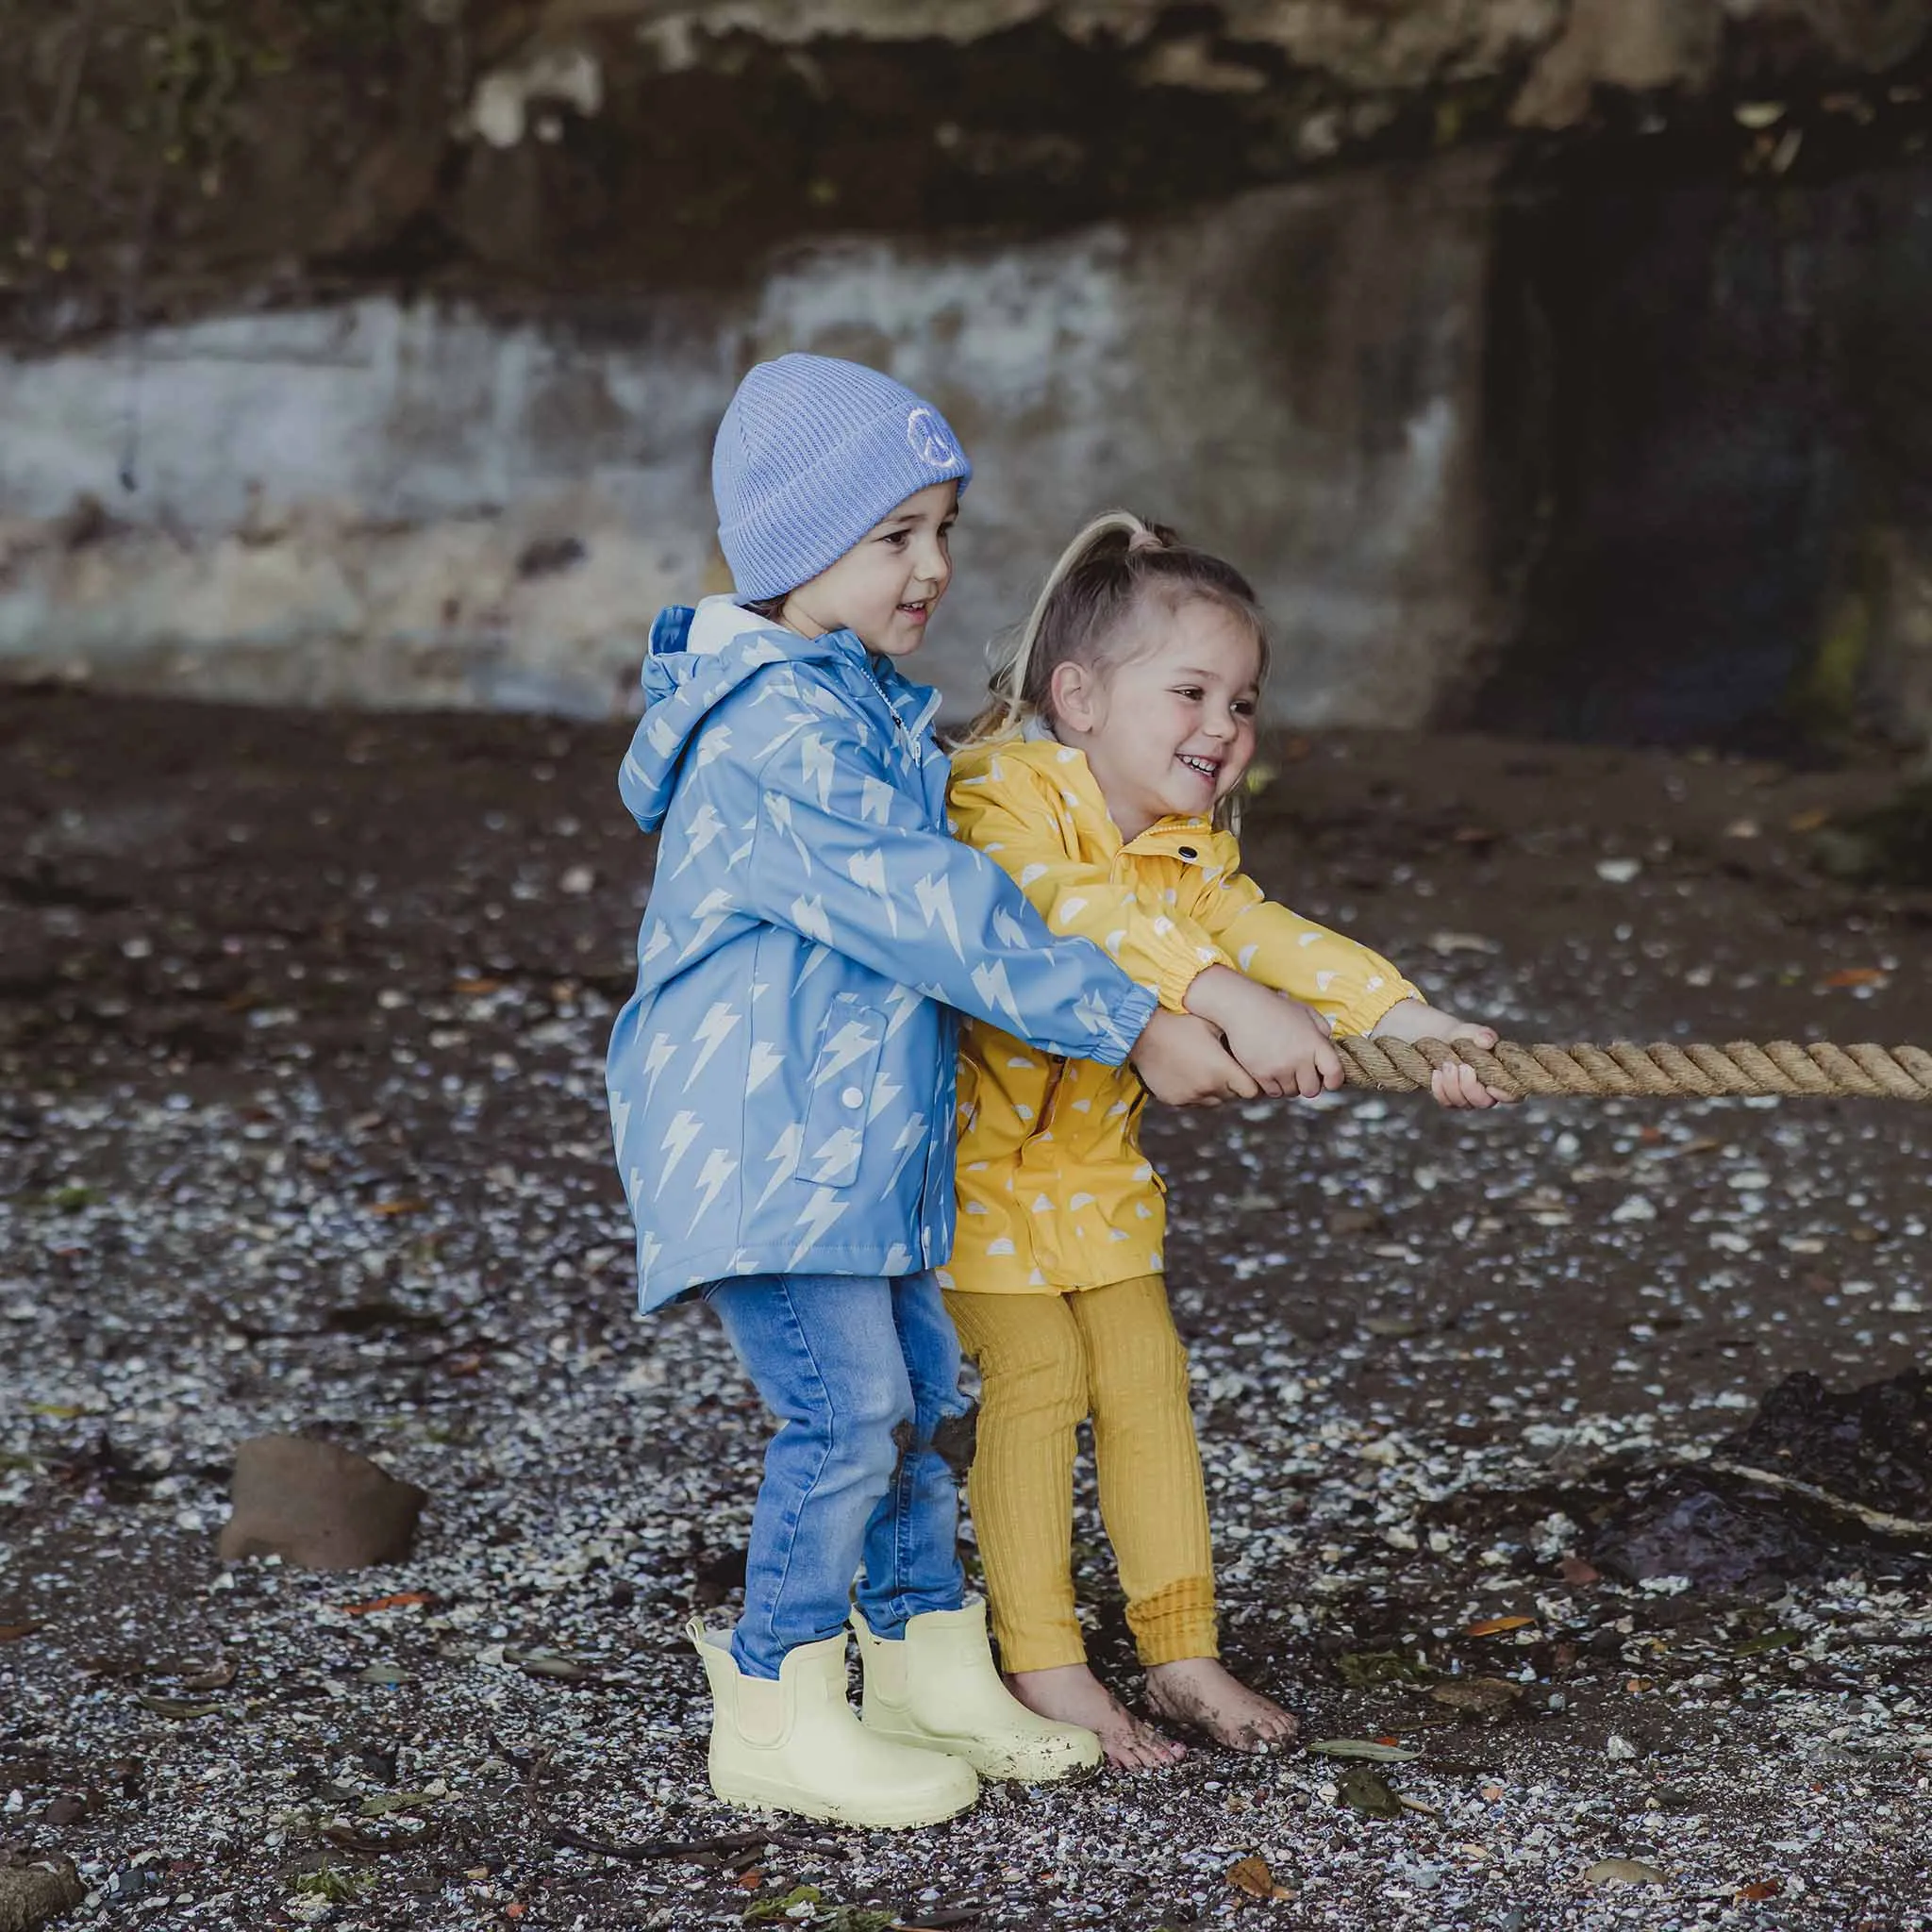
814 1219
989 983
779 811
705 825
901 1003
658 939
1008 928
620 1119
911 1136
648 1251
661 1056
885 1091
719 1167
765 1062
785 1155
815 766
679 1136
875 802
663 735
836 1155
813 960
898 1259
934 896
852 1039
710 912
713 745
808 916
868 869
711 1034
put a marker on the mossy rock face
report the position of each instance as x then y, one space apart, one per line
1891 847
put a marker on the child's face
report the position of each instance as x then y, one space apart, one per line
885 588
1166 723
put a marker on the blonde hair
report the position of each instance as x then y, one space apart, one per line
1084 607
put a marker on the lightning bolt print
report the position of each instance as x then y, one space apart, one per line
816 1219
679 1136
989 983
661 1053
712 1034
785 1158
868 870
852 1041
719 1167
934 894
709 913
815 767
705 827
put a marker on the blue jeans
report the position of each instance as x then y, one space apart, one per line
860 1371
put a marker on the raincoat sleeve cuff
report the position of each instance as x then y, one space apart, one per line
1123 1026
1360 1015
1180 972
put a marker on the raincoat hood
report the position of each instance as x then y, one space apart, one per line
697 659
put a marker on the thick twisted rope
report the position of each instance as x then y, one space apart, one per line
1624 1069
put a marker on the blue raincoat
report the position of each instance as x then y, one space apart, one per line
782 1080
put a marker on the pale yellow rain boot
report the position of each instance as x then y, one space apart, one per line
938 1689
797 1745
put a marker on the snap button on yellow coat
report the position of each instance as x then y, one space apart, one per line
1053 1191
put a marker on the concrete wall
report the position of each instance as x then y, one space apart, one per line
441 504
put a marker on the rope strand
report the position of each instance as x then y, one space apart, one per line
1623 1069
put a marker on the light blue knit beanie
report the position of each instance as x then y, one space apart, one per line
811 454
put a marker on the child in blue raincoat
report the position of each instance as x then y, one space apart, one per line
781 1086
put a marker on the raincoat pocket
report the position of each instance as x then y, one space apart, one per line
843 1079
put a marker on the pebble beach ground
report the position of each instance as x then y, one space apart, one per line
301 1025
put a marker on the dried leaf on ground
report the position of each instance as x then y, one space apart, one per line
1477 1694
550 1663
1623 1872
1253 1876
1368 1748
402 1599
384 1803
1494 1626
174 1706
1770 1639
1368 1669
1366 1790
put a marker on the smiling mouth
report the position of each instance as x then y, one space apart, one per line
918 610
1206 768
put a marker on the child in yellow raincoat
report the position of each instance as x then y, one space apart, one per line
1123 725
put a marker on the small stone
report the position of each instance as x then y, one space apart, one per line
317 1505
33 1895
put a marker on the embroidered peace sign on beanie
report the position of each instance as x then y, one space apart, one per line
811 454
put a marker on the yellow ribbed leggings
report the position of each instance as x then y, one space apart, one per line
1046 1363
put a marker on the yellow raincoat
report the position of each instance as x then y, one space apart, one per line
1053 1191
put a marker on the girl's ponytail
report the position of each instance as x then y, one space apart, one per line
1088 597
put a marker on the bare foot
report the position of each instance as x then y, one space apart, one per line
1198 1691
1073 1694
